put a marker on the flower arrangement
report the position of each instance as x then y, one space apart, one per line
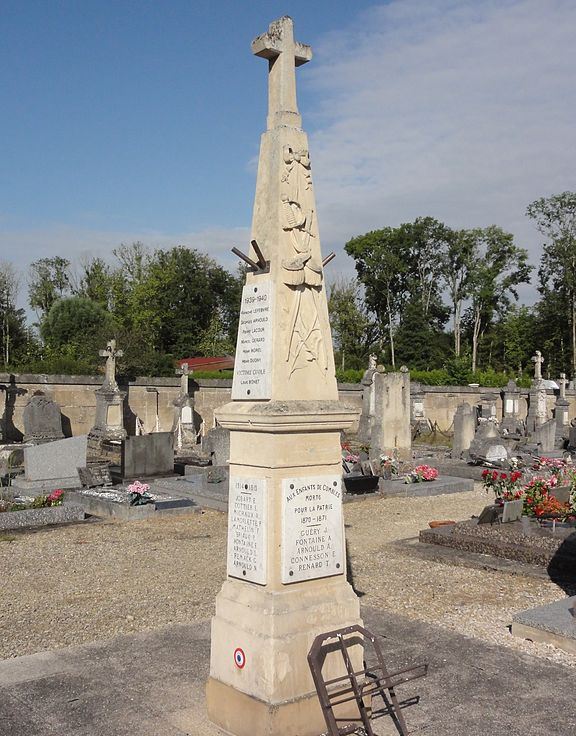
139 493
504 485
421 473
389 465
55 498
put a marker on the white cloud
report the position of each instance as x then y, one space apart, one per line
462 110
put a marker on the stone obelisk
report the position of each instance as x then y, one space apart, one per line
286 564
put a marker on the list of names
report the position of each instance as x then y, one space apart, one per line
253 365
312 530
247 529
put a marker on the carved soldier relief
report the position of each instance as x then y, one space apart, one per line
302 272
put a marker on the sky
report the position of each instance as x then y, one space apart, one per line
126 120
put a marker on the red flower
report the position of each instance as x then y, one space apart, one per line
494 475
503 476
485 472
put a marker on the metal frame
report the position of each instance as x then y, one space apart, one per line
358 686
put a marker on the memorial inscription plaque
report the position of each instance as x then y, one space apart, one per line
253 364
247 530
312 533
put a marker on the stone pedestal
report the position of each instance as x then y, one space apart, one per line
295 514
286 565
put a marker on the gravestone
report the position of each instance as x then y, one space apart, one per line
286 565
53 465
42 420
147 455
366 420
464 430
512 423
391 434
108 431
487 446
512 511
216 445
544 435
184 425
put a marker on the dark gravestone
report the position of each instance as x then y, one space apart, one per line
95 475
42 420
561 493
216 445
148 455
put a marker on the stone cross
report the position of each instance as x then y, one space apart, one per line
562 382
283 54
537 359
110 353
184 372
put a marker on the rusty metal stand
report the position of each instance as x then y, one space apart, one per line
360 686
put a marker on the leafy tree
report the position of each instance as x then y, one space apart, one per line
78 326
382 266
96 282
12 320
49 281
555 218
459 261
354 331
420 342
501 266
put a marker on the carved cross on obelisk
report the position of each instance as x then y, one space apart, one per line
538 360
283 54
183 372
110 353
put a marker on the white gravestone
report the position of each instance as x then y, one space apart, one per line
247 530
253 364
312 534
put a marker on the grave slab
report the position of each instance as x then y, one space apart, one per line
114 503
41 517
524 541
551 624
443 484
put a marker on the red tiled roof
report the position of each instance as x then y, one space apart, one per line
208 364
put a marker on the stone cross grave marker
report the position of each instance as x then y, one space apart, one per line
184 371
562 383
111 353
538 360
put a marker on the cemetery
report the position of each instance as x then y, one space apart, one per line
280 553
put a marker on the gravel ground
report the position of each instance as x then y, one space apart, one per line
76 584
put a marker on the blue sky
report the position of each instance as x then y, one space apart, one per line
136 120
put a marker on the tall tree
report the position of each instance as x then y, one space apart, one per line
12 319
49 280
382 262
555 218
354 330
500 268
458 263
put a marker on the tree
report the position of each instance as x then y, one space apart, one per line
382 266
12 319
49 281
79 326
354 331
555 218
458 265
501 266
96 282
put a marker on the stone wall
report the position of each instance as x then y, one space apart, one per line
75 396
